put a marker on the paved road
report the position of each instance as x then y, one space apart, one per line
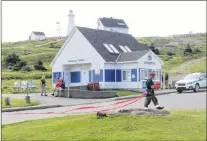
51 100
171 101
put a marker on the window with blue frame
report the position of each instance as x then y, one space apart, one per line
56 75
144 75
126 75
75 77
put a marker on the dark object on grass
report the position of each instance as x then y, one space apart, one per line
7 101
139 111
101 114
27 99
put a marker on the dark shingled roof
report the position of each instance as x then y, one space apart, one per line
97 37
38 33
110 22
131 56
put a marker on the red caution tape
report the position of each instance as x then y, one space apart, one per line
132 100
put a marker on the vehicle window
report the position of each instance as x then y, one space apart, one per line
204 75
192 76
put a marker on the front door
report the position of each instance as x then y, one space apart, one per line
84 76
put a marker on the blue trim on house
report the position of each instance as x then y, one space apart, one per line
98 77
56 75
109 75
118 75
89 76
75 77
134 72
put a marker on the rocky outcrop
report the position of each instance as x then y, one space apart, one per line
153 112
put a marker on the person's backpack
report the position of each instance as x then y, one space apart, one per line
62 85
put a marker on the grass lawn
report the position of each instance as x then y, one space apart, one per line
125 92
18 103
180 125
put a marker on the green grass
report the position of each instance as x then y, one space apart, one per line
18 103
125 93
180 125
7 86
198 66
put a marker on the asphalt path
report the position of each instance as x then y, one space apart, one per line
174 101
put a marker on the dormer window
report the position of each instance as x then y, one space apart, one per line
121 24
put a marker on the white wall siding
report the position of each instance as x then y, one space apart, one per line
37 37
78 48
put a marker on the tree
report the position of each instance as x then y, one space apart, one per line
39 65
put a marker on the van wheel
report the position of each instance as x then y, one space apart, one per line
179 91
197 87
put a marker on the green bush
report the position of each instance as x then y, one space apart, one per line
39 65
26 68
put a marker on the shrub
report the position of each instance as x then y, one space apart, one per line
188 49
26 68
170 54
11 60
197 50
51 45
39 65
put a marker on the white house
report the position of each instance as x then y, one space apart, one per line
115 60
113 25
37 36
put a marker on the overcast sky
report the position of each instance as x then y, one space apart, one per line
144 19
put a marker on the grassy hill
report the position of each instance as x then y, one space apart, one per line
30 51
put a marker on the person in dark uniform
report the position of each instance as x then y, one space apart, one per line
150 93
43 86
166 80
162 81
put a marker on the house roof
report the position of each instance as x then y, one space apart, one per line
131 56
98 37
38 33
111 22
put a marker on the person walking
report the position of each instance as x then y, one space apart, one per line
162 81
150 93
43 86
166 80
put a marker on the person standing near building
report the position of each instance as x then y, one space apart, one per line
162 81
166 80
43 86
150 93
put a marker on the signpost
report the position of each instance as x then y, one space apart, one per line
68 90
27 98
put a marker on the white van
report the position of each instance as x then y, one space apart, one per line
193 81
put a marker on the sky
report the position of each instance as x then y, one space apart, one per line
144 18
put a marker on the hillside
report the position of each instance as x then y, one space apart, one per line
30 51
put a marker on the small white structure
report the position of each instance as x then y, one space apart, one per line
37 36
113 25
115 60
71 22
